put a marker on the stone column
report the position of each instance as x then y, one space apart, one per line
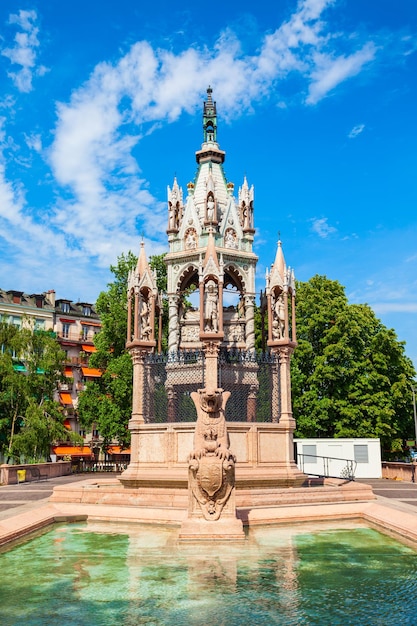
129 317
251 403
173 324
275 388
270 316
285 353
211 352
294 331
136 316
138 355
286 331
250 323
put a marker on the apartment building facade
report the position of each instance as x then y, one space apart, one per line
75 325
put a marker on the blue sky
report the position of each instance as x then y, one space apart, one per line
100 107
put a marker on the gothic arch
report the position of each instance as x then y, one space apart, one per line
188 278
233 276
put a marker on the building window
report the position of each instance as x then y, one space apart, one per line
87 311
16 320
310 450
85 333
39 324
65 330
360 451
65 307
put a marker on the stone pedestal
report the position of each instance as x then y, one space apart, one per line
227 528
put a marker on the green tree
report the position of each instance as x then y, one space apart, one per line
31 364
350 374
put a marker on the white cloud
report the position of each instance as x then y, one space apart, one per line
103 197
24 50
329 72
356 130
322 228
34 142
92 147
394 307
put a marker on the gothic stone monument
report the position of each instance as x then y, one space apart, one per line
210 236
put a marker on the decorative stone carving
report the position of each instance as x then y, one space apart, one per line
234 333
211 315
145 328
190 239
278 317
210 208
230 239
211 463
190 334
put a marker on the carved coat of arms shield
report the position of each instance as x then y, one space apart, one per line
210 474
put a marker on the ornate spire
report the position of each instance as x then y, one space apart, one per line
279 260
209 118
210 150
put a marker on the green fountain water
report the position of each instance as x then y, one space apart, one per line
113 575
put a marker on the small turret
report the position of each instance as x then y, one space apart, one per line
246 196
143 302
280 284
175 207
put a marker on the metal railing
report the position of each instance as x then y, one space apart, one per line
84 465
342 468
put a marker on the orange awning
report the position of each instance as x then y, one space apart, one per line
91 324
89 348
117 450
92 372
65 398
72 451
67 424
68 372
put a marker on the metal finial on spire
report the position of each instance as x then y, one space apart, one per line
209 118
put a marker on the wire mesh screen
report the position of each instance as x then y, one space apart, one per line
169 381
252 379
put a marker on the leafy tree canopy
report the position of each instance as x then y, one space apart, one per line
350 375
31 364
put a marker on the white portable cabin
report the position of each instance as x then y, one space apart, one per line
338 457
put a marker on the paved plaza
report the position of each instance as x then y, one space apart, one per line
21 498
16 499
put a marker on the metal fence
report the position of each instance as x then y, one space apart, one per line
252 378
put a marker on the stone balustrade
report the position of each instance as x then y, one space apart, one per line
9 476
399 471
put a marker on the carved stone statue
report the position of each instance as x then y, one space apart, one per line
210 208
171 218
230 239
211 317
145 326
191 240
211 463
278 318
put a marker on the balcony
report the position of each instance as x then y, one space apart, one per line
75 335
